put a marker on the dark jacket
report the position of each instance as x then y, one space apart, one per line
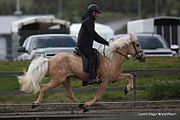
87 33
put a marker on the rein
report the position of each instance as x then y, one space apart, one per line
104 51
122 54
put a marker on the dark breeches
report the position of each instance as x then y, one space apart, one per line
90 54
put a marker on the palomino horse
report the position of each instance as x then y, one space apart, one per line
65 65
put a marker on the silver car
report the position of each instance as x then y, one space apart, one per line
153 45
46 45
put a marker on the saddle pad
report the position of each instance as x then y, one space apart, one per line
85 60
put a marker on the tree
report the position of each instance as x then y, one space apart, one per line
73 9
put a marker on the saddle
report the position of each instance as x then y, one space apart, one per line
85 60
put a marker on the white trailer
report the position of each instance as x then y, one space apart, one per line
166 26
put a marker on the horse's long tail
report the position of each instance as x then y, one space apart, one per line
36 71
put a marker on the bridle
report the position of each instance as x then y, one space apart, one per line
135 56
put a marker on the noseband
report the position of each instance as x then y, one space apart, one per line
136 55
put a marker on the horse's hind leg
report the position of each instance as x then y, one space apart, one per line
69 91
45 87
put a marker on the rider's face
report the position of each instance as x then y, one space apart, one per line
96 14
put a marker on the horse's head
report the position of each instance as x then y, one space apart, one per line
131 46
135 49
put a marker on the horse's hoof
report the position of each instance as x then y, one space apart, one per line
125 91
85 109
81 105
33 106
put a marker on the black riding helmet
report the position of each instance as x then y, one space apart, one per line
93 7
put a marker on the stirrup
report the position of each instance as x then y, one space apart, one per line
96 81
89 82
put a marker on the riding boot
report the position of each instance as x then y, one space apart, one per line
92 79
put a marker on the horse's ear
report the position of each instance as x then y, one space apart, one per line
132 37
117 48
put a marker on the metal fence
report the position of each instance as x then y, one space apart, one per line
136 73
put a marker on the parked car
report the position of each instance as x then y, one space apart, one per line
152 44
46 45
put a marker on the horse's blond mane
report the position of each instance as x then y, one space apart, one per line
119 43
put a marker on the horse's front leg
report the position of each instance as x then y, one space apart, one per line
130 78
99 93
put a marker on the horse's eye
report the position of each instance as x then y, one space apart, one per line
137 45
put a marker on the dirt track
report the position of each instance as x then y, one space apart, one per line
111 110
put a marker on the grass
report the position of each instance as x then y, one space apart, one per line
151 63
14 65
155 63
165 89
149 81
108 96
9 84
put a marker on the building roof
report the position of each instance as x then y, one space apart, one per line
6 22
167 17
48 20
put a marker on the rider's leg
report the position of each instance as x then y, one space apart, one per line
90 55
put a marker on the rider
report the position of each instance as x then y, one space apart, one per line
86 36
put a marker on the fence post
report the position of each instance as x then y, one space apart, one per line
134 91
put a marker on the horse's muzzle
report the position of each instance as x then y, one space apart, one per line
141 58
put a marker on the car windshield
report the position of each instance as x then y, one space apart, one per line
52 41
152 42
